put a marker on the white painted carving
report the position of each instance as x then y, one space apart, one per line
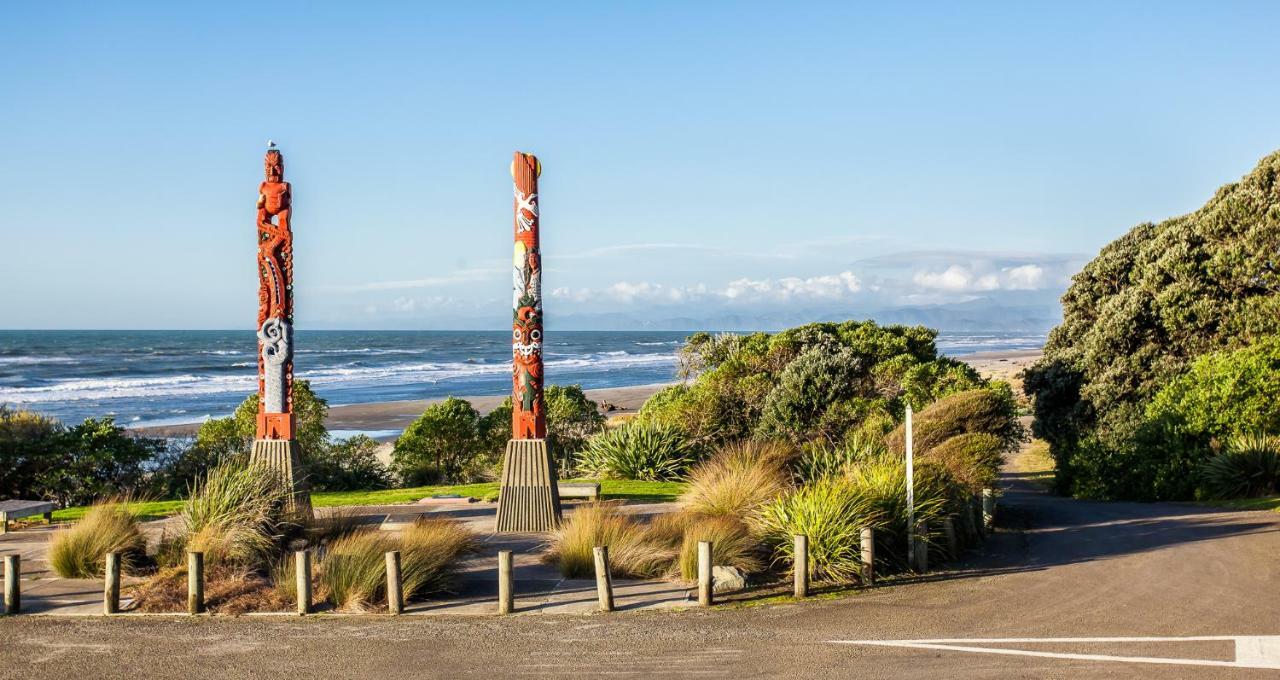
276 337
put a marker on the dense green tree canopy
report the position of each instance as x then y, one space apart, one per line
1150 303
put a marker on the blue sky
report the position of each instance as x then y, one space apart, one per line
701 160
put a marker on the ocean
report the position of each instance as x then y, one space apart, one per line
146 378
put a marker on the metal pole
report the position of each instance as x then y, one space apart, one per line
911 493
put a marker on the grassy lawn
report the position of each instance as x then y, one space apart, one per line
660 492
1034 464
1269 503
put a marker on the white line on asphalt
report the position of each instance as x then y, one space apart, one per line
1252 651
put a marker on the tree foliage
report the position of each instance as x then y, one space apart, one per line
1135 318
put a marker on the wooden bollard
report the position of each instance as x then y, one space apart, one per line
395 591
868 554
801 567
706 592
604 582
12 584
975 505
506 576
195 582
922 548
111 587
949 533
302 580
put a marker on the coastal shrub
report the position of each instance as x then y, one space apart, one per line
1223 394
822 459
738 479
80 551
352 571
1250 466
25 440
639 451
76 465
348 465
572 419
801 406
633 551
832 512
1138 315
233 515
990 411
441 446
972 459
881 483
732 545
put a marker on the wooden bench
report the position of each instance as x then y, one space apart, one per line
19 509
588 490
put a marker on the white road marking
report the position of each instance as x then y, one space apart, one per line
1252 651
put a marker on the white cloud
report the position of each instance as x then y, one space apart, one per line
959 278
830 287
1026 277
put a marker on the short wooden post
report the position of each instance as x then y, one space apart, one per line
922 547
949 533
4 523
195 582
706 595
111 588
988 508
801 567
506 576
976 507
868 556
604 582
302 583
48 517
395 592
12 584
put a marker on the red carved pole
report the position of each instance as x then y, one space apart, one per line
275 302
528 416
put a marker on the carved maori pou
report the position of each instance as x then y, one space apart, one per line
528 416
275 302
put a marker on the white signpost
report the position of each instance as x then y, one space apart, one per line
911 497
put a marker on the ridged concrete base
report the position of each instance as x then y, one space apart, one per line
529 500
285 457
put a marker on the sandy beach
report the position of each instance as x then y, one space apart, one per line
386 419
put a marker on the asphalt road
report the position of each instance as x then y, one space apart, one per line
1059 569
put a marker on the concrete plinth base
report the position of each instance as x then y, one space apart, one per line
529 499
285 457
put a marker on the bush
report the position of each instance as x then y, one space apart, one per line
638 450
881 482
347 465
25 439
72 466
233 515
80 552
832 513
443 446
990 411
1223 394
732 545
821 459
1249 467
352 572
738 479
808 390
633 551
1148 306
973 459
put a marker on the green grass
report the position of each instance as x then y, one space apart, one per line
1269 503
1035 464
656 492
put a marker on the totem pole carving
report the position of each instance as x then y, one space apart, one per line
275 302
529 497
275 445
528 417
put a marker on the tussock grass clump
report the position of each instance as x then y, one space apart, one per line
638 450
738 479
633 551
831 511
1250 466
80 552
233 515
352 572
732 545
821 459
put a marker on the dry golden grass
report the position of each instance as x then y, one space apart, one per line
352 573
633 552
80 552
732 545
738 479
227 590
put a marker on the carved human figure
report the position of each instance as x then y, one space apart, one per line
275 301
528 417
